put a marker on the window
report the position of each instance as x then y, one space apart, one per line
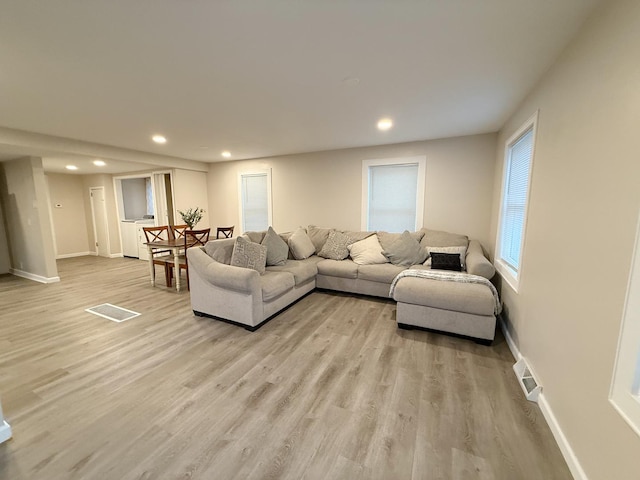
625 387
515 194
393 194
255 200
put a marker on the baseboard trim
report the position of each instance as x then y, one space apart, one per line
116 255
565 447
5 432
33 276
507 336
71 255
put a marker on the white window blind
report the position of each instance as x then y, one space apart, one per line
254 201
392 197
515 199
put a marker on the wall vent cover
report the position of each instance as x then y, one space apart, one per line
527 382
112 312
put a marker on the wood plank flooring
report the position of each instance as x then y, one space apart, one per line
329 389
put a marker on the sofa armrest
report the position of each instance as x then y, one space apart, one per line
477 263
224 276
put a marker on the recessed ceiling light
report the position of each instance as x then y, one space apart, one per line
226 154
159 139
385 124
71 167
99 163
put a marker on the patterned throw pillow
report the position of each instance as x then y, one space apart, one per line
247 254
336 246
446 261
277 248
462 251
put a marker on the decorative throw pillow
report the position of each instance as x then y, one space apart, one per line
387 238
318 236
220 253
462 251
277 248
301 245
446 261
405 251
367 251
336 246
256 237
247 254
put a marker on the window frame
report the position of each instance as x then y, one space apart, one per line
255 173
626 370
511 275
420 160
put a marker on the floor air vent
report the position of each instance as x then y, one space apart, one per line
112 312
529 384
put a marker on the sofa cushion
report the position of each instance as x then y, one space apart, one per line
405 251
383 273
357 235
338 268
335 247
438 238
275 284
386 238
302 270
462 251
318 236
301 245
247 254
367 252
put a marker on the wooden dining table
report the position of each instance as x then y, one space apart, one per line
176 246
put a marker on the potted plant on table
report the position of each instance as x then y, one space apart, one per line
192 216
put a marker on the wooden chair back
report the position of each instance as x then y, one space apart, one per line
193 238
154 234
226 231
177 231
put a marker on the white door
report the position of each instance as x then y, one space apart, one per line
160 206
100 228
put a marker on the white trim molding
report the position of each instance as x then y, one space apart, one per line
71 255
33 276
558 434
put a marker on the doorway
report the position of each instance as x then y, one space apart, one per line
100 226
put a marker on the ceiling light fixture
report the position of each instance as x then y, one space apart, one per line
385 124
71 167
159 139
99 163
226 154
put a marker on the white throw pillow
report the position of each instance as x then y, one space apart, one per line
301 245
367 251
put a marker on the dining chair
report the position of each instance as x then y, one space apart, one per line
178 231
160 257
226 231
192 238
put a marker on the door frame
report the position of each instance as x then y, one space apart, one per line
106 220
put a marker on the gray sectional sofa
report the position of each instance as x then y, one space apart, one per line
246 297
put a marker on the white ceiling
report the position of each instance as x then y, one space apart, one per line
263 78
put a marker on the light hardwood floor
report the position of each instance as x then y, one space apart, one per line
329 389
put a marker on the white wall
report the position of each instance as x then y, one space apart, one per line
30 239
584 202
325 188
69 220
190 191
